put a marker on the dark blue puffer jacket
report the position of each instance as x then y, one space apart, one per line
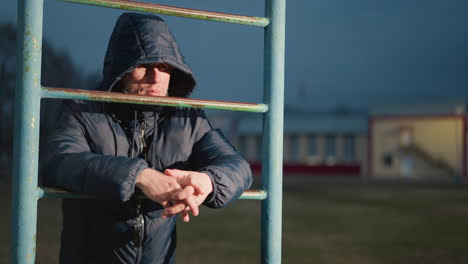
100 148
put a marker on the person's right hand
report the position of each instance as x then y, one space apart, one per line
196 187
157 186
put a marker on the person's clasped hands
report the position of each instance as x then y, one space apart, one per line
178 191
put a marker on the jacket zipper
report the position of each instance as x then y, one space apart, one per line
139 227
138 233
142 138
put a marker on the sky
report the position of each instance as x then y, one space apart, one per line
338 52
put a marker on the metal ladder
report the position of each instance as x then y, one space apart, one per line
29 92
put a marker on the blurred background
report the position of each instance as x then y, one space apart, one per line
375 143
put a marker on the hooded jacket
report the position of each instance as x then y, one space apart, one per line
99 149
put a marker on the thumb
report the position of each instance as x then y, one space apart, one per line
178 174
182 176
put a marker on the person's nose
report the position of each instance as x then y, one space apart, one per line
154 75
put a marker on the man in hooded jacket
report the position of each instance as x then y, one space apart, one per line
114 152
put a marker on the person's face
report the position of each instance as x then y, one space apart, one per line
148 79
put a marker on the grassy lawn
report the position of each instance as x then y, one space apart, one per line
339 221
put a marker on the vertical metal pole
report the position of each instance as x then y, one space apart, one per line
272 159
462 177
26 141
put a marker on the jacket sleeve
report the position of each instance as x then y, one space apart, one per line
229 171
71 164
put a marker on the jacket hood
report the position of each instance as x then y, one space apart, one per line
142 39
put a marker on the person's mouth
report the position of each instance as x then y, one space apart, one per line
151 92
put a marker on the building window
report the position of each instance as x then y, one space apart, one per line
406 136
312 150
294 149
349 149
330 149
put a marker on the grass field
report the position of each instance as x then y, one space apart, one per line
324 221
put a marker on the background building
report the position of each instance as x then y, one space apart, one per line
315 143
422 141
425 141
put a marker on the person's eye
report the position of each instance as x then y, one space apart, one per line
164 67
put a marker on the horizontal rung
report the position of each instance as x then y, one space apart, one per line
254 195
88 95
58 193
176 11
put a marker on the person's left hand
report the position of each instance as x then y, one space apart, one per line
196 187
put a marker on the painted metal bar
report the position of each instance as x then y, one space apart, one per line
463 176
59 193
272 174
26 131
61 93
254 195
175 11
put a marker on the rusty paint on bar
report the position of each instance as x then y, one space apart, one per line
176 11
62 93
59 193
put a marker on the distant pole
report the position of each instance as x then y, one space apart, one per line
463 176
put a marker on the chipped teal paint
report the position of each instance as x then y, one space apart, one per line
272 172
175 11
58 193
26 131
40 193
88 95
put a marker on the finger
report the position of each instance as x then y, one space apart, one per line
192 204
185 216
185 178
187 196
184 194
196 185
173 210
172 174
191 179
175 173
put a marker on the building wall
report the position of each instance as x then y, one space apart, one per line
321 149
339 139
417 147
297 149
303 143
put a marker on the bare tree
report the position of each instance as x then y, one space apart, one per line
58 70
